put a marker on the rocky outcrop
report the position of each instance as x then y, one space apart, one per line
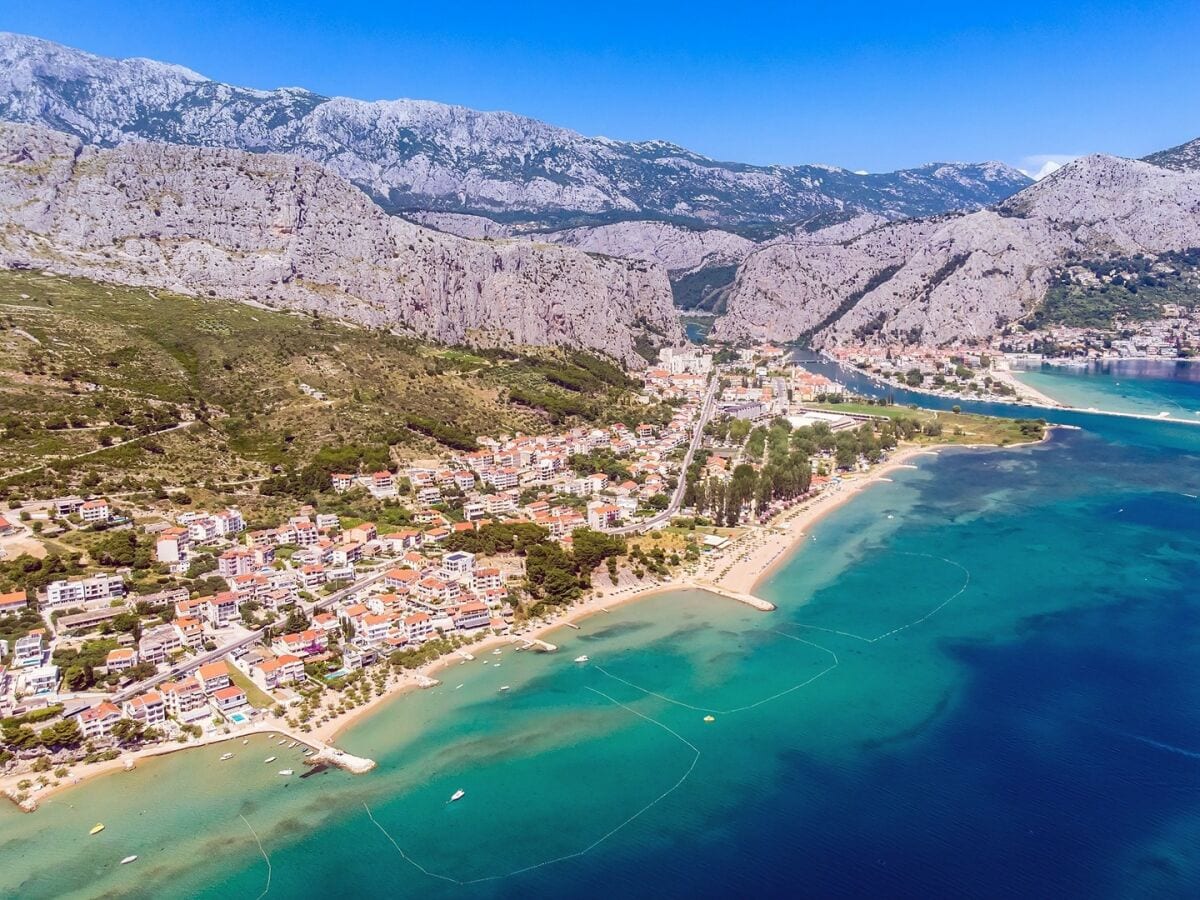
674 247
286 233
461 224
419 155
943 280
1183 158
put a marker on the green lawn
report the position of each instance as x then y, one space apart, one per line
957 428
254 694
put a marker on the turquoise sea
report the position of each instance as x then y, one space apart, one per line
1142 386
983 680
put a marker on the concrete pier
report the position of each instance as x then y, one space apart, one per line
749 599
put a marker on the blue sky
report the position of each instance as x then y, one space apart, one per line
866 85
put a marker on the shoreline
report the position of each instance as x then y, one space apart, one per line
127 762
774 544
1049 404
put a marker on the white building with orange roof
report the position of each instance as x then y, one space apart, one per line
149 708
229 699
99 720
213 676
435 591
13 602
120 659
418 626
185 700
472 614
283 669
190 631
309 642
325 621
602 515
93 511
375 627
486 579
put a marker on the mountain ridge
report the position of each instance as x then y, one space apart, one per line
965 276
423 155
284 232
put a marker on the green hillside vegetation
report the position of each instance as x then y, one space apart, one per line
706 290
1134 288
112 389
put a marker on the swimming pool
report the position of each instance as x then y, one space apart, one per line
238 718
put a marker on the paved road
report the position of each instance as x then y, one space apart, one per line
706 411
221 652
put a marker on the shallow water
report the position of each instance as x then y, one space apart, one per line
1145 387
994 692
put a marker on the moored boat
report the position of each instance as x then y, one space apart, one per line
285 772
270 759
97 828
457 795
581 659
225 756
127 860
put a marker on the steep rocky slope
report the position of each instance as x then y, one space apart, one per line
673 247
1183 158
286 233
410 154
961 277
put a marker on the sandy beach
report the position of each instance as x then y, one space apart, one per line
746 562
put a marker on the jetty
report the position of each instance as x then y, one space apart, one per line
538 644
749 599
331 756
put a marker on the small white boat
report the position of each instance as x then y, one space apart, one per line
127 860
497 652
270 759
225 756
495 665
285 772
291 745
97 828
581 659
284 741
504 687
245 742
457 686
457 795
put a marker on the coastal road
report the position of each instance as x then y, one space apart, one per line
706 411
221 652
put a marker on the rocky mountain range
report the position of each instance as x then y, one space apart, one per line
285 232
1183 158
413 155
960 277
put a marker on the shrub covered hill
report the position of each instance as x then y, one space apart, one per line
110 389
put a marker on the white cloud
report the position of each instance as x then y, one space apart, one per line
1040 165
861 172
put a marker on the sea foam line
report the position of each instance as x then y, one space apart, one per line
264 856
925 618
748 706
569 856
823 672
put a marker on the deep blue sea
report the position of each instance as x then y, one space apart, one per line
982 680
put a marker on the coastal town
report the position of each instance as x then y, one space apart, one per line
215 627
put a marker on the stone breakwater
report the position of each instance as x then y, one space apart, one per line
331 756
